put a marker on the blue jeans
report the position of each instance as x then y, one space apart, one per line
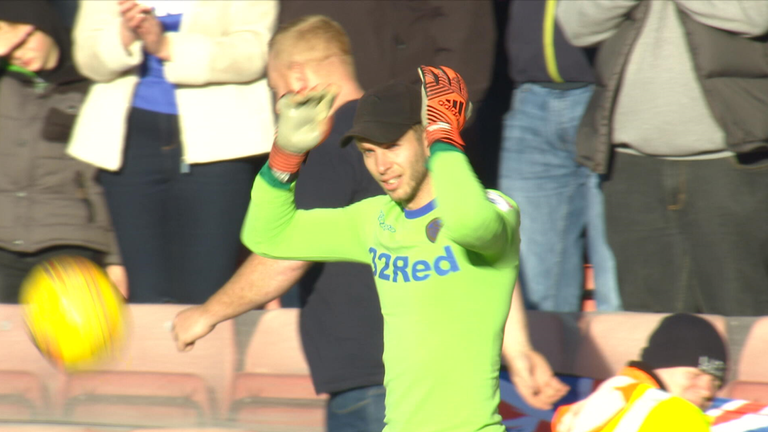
561 204
358 410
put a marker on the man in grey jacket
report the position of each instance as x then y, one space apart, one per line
678 123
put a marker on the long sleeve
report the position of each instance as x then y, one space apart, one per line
97 46
274 228
589 22
470 217
747 17
238 56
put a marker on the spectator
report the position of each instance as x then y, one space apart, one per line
50 204
341 322
680 370
180 108
678 124
559 199
390 39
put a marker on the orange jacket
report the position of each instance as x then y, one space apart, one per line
632 401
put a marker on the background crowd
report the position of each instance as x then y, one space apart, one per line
645 162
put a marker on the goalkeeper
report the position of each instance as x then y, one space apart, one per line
443 251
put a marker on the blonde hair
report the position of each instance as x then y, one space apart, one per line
312 38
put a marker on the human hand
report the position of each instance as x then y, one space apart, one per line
303 122
534 380
119 278
190 325
445 104
13 36
132 14
150 31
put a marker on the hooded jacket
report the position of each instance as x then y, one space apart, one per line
47 198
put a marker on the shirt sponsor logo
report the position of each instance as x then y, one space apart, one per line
402 268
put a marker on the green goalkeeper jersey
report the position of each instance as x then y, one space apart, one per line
444 273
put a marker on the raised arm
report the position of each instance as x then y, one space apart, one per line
97 42
589 22
746 17
273 226
475 220
470 217
238 56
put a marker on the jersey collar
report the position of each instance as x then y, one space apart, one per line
421 211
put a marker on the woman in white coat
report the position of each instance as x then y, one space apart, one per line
179 110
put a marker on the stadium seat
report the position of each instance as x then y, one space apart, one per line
151 383
44 427
610 340
26 378
751 381
190 430
548 337
275 388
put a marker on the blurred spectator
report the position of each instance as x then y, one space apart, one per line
678 123
680 370
391 39
559 199
67 10
180 107
50 204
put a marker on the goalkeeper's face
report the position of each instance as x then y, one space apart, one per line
401 168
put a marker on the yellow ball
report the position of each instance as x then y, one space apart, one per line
74 314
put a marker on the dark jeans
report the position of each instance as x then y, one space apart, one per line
358 410
178 228
689 236
14 267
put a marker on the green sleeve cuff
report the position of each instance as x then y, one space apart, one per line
439 146
269 177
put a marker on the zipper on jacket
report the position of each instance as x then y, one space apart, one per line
39 85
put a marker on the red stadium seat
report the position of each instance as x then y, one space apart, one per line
275 388
26 378
44 428
548 337
752 375
152 384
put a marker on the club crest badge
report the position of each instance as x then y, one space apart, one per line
433 229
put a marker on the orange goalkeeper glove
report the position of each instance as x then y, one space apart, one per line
445 105
303 122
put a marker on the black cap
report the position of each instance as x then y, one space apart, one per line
385 113
686 340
